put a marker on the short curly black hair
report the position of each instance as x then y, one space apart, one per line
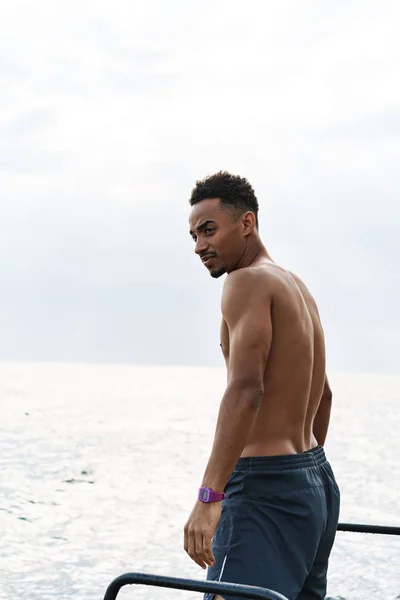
235 193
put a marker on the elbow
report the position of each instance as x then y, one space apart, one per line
327 395
248 392
327 392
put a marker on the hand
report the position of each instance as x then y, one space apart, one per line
199 531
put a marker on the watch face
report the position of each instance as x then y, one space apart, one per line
205 494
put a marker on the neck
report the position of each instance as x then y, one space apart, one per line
253 252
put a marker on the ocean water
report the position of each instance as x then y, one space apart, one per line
100 466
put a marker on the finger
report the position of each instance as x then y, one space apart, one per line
208 555
199 550
192 544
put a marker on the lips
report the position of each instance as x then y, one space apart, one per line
207 258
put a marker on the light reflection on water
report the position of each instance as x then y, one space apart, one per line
100 467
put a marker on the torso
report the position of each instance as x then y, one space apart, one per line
295 372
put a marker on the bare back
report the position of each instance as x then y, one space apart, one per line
295 372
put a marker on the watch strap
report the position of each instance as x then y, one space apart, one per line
206 495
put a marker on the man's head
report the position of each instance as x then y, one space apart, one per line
223 219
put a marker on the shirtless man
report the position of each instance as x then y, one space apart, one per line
277 522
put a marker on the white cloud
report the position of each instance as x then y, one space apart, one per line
109 112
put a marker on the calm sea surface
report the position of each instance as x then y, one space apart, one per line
100 466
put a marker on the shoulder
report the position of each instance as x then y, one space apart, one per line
308 297
248 279
246 289
263 279
300 283
261 284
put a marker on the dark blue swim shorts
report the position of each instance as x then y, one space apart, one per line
278 525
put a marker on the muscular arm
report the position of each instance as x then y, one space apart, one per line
321 420
246 309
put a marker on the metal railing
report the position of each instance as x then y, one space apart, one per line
218 587
191 585
359 528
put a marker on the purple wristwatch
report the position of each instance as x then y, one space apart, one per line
206 494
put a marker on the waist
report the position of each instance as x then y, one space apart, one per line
310 458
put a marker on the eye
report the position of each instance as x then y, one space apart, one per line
209 230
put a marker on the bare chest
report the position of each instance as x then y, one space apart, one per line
224 340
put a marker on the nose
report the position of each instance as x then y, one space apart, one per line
201 245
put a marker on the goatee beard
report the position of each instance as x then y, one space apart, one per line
217 273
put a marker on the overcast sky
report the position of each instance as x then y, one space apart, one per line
109 112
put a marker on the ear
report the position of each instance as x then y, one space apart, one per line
248 222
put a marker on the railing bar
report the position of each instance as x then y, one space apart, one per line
215 587
362 528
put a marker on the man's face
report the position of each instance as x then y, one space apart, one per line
219 240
